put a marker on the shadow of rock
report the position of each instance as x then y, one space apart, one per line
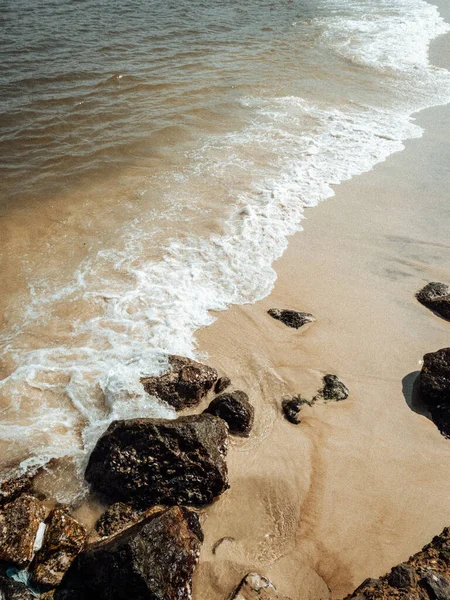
410 388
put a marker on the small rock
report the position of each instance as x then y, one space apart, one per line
235 409
437 586
19 524
63 540
291 318
257 587
154 559
292 407
334 389
222 384
184 385
115 519
14 590
161 461
402 576
436 296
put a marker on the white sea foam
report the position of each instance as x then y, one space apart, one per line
141 310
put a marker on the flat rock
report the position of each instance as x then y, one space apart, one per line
222 384
334 389
161 461
115 519
63 539
153 560
19 524
235 409
184 385
291 318
14 590
257 587
436 297
292 407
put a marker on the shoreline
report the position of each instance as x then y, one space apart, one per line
361 485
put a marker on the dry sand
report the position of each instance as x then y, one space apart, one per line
362 484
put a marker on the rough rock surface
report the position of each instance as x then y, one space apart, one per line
436 296
222 384
115 519
257 587
63 539
334 389
185 384
425 576
434 387
161 461
292 407
235 409
14 590
19 523
153 560
291 318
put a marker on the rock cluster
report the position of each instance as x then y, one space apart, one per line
425 576
434 387
291 318
235 409
257 587
436 297
292 407
333 390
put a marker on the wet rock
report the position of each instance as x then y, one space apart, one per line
436 296
14 487
235 409
222 384
292 407
185 384
14 590
19 524
161 461
402 576
291 318
63 539
152 560
334 388
437 586
257 587
115 519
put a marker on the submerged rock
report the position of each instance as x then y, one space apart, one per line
334 389
153 560
436 297
14 590
161 461
257 587
292 407
63 539
19 524
434 387
222 384
185 384
115 519
235 409
291 318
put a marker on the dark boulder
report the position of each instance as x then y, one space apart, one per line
402 576
63 539
185 384
19 524
437 586
222 384
115 519
161 461
153 560
14 590
292 407
236 410
434 380
334 389
257 587
291 318
436 297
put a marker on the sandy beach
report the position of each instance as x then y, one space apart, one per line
359 485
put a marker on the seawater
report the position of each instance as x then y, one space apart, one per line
156 156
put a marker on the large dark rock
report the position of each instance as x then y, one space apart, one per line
185 384
257 587
161 461
402 576
19 524
115 519
436 296
434 380
63 539
153 560
14 590
236 410
334 388
292 407
437 586
291 318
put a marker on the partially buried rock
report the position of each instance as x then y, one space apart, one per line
222 384
402 576
14 590
153 560
334 388
291 318
434 387
161 461
63 539
115 519
292 407
257 587
184 385
19 524
436 297
235 409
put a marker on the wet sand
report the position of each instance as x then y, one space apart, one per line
362 484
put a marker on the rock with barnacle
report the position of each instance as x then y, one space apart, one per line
291 318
